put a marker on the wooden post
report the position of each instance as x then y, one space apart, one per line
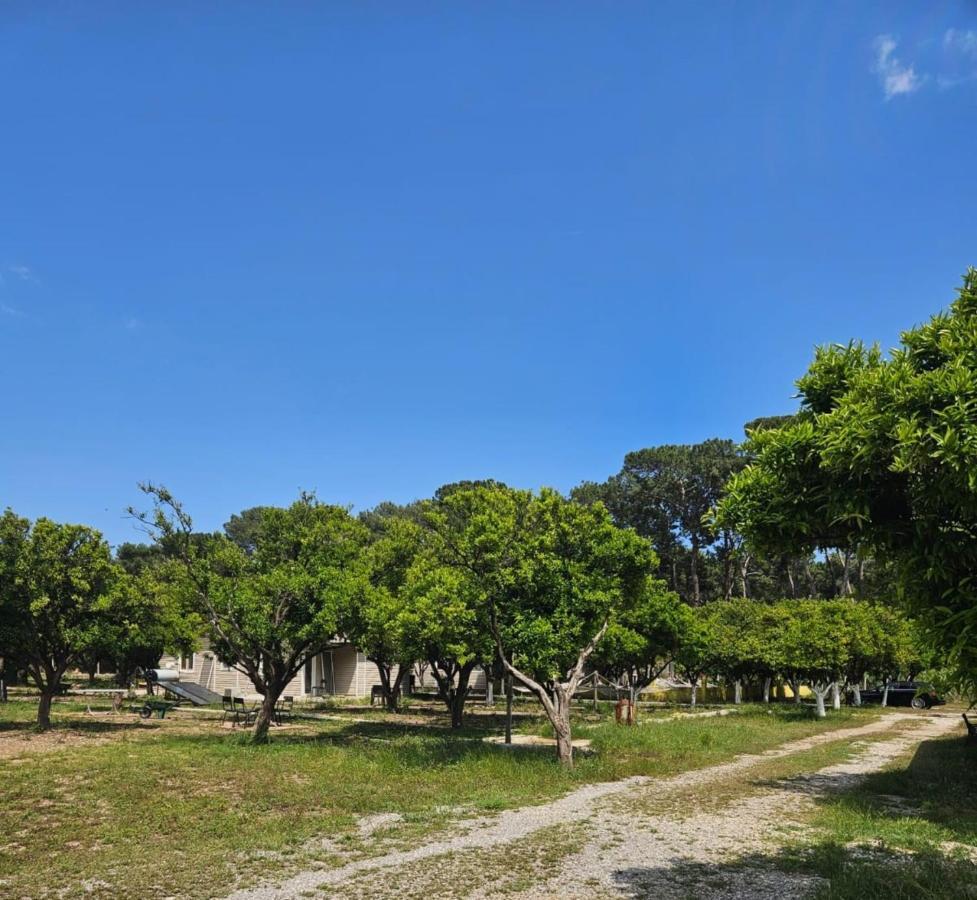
508 708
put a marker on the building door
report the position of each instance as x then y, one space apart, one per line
327 683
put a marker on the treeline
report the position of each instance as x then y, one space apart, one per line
535 585
829 646
668 494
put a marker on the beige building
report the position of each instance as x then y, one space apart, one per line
339 671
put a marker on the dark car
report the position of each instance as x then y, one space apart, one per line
917 694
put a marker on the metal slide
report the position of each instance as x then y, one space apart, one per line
188 690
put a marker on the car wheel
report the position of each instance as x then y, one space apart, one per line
919 703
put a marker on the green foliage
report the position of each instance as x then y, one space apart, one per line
374 617
269 609
243 527
743 638
61 595
664 493
644 637
577 572
550 575
882 457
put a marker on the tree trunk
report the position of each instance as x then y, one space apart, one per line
561 724
744 568
812 588
819 702
694 571
48 681
389 686
508 708
737 692
266 714
44 708
796 688
461 694
695 688
885 695
766 689
789 567
846 587
856 694
835 696
453 695
727 566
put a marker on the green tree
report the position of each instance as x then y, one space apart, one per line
59 594
159 618
813 646
244 527
449 623
643 639
880 459
664 493
270 610
696 654
552 575
375 618
743 637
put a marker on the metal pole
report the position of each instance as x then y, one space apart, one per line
508 708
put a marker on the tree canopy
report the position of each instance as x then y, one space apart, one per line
882 457
61 595
271 608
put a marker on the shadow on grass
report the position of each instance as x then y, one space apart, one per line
74 726
826 870
938 788
905 833
414 746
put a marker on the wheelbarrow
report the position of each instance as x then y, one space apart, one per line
158 707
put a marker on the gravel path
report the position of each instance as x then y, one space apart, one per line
665 856
659 843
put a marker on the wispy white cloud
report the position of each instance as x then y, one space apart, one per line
132 323
22 273
895 76
957 41
10 310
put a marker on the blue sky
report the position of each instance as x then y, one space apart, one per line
369 248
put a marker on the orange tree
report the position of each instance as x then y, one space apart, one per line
882 456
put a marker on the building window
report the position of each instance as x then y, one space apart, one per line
186 662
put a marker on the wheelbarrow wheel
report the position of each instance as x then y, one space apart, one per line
145 712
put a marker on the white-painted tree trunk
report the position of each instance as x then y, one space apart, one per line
857 694
737 692
766 690
835 696
819 693
885 695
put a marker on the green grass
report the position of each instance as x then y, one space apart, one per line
926 801
906 833
175 809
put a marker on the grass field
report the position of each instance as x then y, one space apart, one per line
124 808
908 832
